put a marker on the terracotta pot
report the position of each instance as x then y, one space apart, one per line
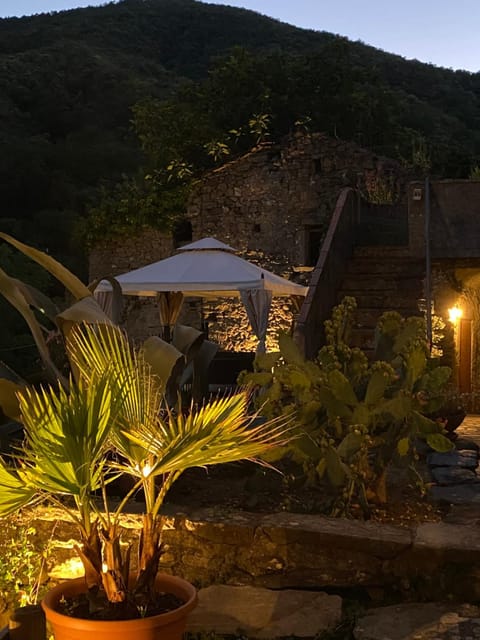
167 626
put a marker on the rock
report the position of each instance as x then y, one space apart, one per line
263 613
465 443
419 621
456 494
464 513
464 458
455 542
453 475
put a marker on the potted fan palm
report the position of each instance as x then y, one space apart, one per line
113 420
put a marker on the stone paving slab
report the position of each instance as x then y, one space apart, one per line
470 428
420 621
264 613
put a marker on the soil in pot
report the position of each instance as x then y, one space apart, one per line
82 606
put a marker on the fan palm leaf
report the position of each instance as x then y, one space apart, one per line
66 438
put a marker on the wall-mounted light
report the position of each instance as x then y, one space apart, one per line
454 314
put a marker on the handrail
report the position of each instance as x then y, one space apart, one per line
337 248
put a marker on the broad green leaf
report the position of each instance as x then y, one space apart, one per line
321 468
403 446
349 445
266 361
61 273
335 469
86 311
10 290
361 415
334 407
341 387
8 398
439 442
398 407
424 425
187 340
39 300
409 330
289 350
308 447
299 380
435 380
416 362
275 391
376 387
309 411
260 379
166 361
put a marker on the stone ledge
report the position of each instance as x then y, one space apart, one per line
291 551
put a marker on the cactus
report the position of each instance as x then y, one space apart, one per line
355 418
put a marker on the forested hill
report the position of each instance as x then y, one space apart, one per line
69 80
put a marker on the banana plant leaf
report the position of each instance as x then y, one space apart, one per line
38 300
8 398
61 273
10 290
167 363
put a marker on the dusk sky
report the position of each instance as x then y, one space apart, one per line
442 32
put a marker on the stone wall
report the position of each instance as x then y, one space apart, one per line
285 550
268 200
454 214
273 205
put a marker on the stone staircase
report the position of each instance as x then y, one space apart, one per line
381 280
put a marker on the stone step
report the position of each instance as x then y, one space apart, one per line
386 251
393 266
386 300
368 318
364 282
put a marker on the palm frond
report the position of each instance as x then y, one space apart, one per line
221 431
14 492
66 436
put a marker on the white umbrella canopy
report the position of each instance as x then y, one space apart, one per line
207 268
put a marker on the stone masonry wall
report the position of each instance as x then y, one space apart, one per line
264 204
286 550
267 200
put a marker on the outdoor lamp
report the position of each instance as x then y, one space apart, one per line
454 314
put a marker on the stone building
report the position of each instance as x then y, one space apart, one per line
273 205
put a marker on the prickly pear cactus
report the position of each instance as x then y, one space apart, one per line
354 417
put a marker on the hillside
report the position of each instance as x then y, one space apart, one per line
201 76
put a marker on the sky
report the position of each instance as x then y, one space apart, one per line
442 32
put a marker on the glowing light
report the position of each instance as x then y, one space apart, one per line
147 469
454 314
